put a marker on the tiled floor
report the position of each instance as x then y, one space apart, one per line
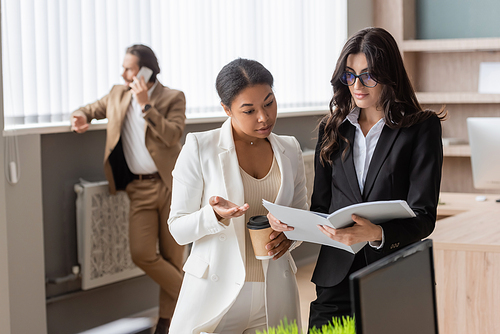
307 291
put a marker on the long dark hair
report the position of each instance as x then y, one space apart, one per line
385 64
238 75
146 58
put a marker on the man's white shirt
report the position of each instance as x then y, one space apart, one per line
133 135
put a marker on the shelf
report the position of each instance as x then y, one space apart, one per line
456 151
457 98
445 72
451 45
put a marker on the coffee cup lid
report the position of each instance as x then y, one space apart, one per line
258 223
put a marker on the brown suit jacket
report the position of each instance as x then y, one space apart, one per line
164 127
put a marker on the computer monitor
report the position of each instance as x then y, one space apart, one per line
484 141
397 293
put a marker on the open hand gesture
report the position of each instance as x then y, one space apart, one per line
226 209
79 124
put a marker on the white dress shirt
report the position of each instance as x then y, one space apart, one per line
134 139
362 150
364 147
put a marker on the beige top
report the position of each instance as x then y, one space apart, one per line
255 190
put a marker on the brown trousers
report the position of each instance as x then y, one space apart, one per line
148 233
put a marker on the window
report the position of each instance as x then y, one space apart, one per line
60 54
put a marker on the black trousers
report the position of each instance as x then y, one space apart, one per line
334 301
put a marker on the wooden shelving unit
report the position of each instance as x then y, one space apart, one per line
456 151
457 98
444 72
451 45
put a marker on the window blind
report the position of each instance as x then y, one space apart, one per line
61 54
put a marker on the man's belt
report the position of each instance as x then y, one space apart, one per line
147 176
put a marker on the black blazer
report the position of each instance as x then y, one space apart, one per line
406 165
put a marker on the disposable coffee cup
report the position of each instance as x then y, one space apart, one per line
259 229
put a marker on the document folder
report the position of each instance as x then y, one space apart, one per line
305 222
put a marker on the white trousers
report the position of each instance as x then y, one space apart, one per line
248 313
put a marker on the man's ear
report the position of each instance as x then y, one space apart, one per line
226 109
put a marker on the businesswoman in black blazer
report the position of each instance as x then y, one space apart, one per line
376 144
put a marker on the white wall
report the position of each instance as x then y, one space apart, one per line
4 272
25 242
4 264
22 278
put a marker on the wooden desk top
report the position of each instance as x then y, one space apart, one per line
451 204
471 225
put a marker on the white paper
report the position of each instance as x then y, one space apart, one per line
305 222
489 74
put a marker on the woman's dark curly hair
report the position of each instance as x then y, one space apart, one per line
397 99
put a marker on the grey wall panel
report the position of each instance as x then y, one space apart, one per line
457 19
66 157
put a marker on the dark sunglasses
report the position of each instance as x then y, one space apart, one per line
349 78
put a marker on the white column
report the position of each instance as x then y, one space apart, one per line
4 263
24 224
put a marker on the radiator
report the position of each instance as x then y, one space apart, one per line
102 235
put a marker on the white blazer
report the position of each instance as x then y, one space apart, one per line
215 270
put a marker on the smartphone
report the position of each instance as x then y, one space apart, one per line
144 72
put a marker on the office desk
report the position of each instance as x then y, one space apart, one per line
467 264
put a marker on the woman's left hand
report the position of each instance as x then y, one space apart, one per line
278 245
362 230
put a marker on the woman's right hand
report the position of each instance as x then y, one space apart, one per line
226 210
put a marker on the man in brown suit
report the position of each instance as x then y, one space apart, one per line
145 123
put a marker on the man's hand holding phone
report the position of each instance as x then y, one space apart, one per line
140 90
139 86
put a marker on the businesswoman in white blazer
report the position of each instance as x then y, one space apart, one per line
219 181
